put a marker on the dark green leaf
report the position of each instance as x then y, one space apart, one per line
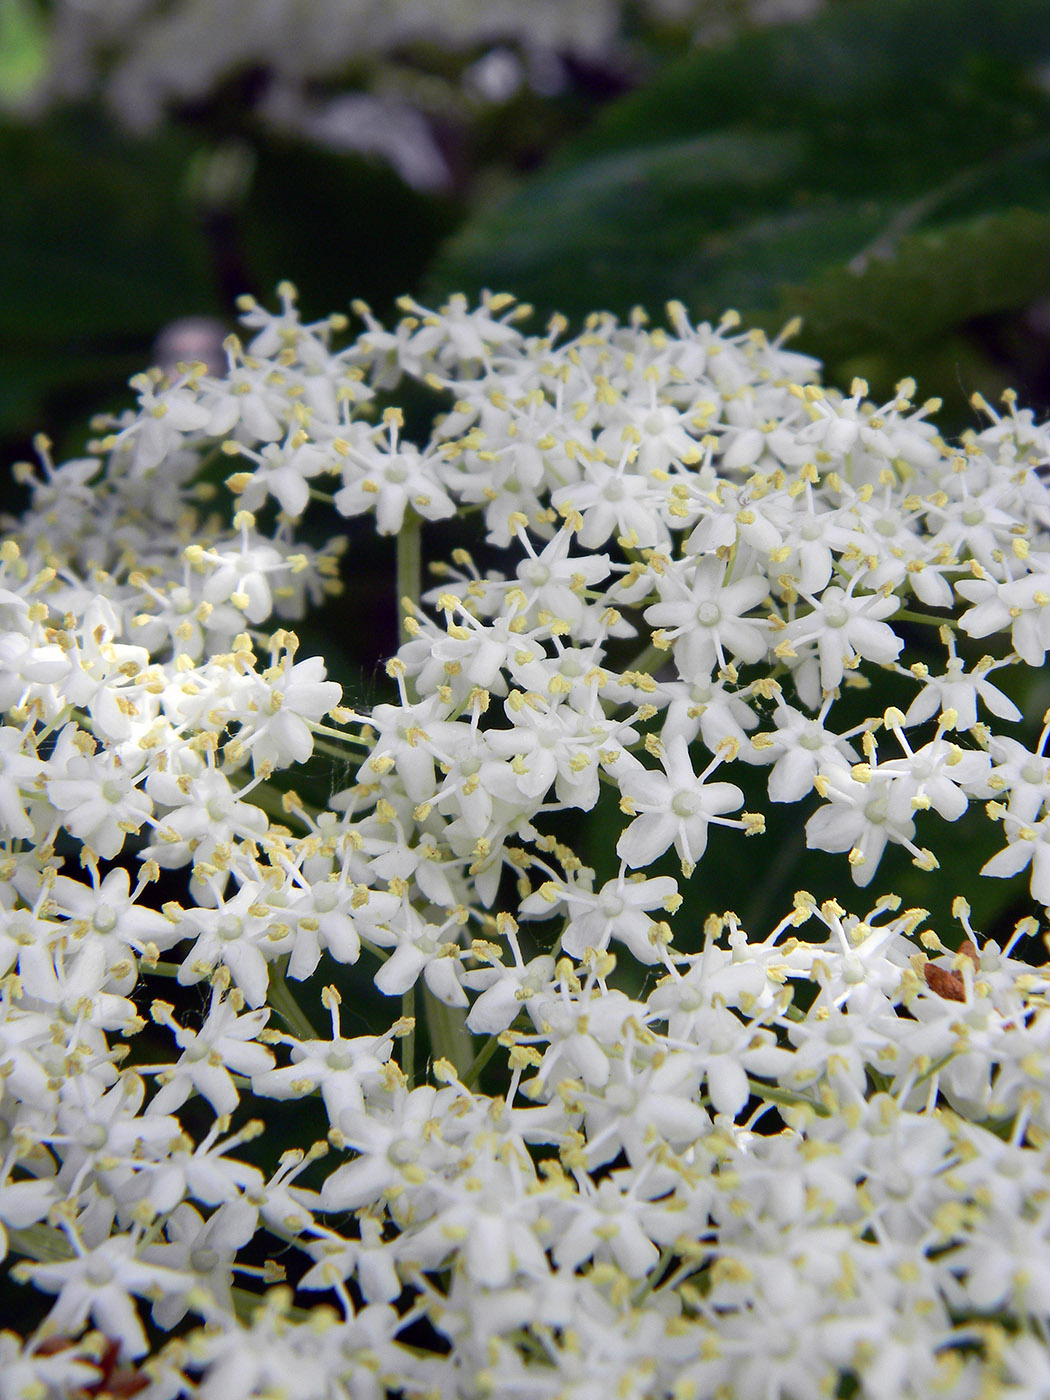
870 169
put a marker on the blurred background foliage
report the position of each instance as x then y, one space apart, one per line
880 167
883 170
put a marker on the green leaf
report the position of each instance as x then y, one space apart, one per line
1000 259
885 170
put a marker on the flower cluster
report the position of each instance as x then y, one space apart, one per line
604 1140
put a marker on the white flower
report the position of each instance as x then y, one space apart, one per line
74 982
845 629
973 522
322 921
205 813
637 1107
495 1231
836 1043
958 690
226 1041
420 947
389 479
707 708
579 1031
552 745
99 1283
243 934
674 807
1022 604
505 989
703 616
368 1257
609 1221
554 582
814 534
1027 844
801 749
614 502
341 1068
282 701
282 471
862 818
406 741
105 677
241 575
941 776
1021 774
96 793
110 913
392 1147
204 1251
619 910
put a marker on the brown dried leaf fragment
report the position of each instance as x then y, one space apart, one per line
946 982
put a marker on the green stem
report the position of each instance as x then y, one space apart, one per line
936 1067
280 998
40 1242
333 750
449 1037
246 1304
786 1097
481 1059
409 566
649 661
653 1277
408 1045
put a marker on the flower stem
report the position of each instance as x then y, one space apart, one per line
162 969
339 734
408 1045
481 1059
43 1243
786 1097
284 1003
246 1304
449 1037
649 660
409 567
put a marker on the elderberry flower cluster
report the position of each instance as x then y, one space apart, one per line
538 1127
